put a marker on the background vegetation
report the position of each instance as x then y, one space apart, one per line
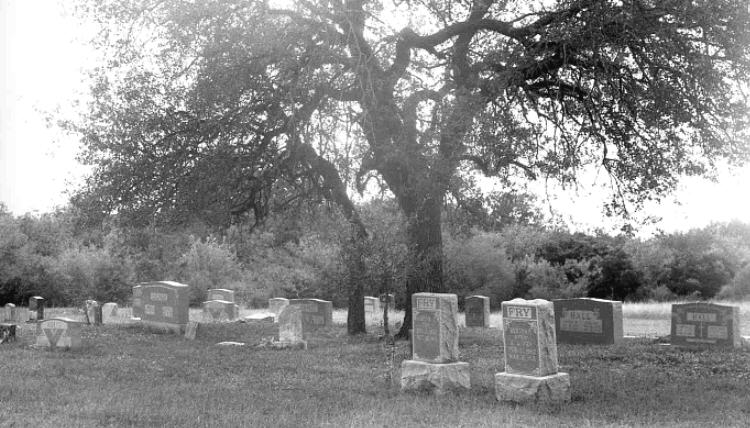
299 254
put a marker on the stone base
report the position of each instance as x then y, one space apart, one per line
522 389
436 378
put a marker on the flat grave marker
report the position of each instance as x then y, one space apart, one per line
165 305
588 321
477 311
705 325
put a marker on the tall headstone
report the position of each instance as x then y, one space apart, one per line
588 321
276 305
221 294
316 313
706 325
109 313
94 312
291 330
434 365
36 308
137 301
10 313
477 311
165 305
219 311
372 305
58 333
530 354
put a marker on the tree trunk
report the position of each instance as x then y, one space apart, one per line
425 251
355 264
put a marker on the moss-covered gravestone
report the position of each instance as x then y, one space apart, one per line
588 321
706 325
219 311
58 333
477 311
434 365
530 349
220 294
165 305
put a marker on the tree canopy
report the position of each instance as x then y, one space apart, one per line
206 108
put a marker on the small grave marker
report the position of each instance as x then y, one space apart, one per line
58 333
372 305
93 312
10 313
220 294
291 330
588 321
706 325
530 352
109 313
165 305
36 308
477 311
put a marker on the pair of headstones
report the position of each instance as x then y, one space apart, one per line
98 314
220 306
162 304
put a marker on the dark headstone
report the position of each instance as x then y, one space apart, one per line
588 321
706 324
36 308
477 311
165 305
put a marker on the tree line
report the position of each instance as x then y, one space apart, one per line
303 253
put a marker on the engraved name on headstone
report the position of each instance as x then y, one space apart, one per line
706 324
435 327
529 337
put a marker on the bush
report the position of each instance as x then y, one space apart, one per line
543 280
208 264
739 288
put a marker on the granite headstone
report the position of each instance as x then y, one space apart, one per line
588 321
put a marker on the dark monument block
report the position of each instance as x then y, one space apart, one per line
588 321
706 325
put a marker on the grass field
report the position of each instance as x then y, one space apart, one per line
125 375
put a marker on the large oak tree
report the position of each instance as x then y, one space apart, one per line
207 106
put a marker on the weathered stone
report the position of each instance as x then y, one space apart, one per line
260 317
58 333
706 325
93 312
435 327
165 305
316 313
477 311
553 388
277 304
137 301
290 325
435 378
10 313
109 313
7 332
36 308
191 330
529 337
372 305
588 321
219 311
221 294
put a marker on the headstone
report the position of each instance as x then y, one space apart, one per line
191 330
219 311
290 325
316 313
7 332
221 294
36 308
434 365
10 313
588 321
277 304
706 325
530 349
58 333
137 301
372 305
165 305
94 312
109 313
389 299
477 311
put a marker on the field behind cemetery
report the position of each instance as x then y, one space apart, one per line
125 375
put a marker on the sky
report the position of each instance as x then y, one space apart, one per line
43 58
